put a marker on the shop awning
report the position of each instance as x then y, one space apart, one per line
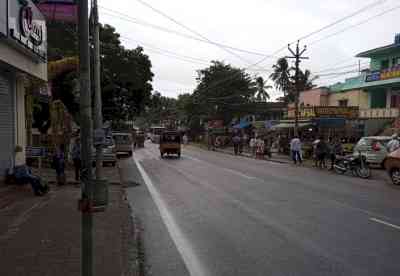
291 125
330 122
242 125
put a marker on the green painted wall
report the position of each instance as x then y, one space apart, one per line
378 98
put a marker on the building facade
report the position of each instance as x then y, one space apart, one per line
23 50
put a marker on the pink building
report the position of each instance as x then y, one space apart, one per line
314 97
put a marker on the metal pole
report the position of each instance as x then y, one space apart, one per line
98 116
86 138
296 100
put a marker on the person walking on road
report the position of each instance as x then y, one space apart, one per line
59 164
295 149
76 158
393 144
236 143
253 146
335 149
321 152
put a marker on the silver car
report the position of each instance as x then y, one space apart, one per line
109 152
374 148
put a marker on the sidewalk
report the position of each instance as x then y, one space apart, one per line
41 235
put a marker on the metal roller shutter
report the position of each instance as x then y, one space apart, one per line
6 124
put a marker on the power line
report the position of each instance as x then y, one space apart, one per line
367 7
355 25
342 67
192 30
160 28
149 46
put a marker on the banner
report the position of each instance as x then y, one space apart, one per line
59 10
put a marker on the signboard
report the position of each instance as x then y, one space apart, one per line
3 18
59 10
216 124
350 112
391 73
27 26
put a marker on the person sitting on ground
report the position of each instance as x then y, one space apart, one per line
23 174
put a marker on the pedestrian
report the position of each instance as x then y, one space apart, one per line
260 148
185 139
393 144
253 146
268 146
23 174
236 143
321 152
76 158
59 164
295 149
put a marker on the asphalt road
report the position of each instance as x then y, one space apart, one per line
214 214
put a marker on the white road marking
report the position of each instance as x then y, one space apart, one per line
385 223
239 173
225 169
182 244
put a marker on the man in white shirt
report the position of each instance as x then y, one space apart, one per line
295 148
393 144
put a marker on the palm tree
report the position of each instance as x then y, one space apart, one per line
306 80
281 77
262 93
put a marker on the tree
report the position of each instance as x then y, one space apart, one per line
222 87
282 78
262 93
306 81
125 74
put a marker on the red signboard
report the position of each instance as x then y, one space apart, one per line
59 11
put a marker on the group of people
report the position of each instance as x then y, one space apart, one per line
259 146
322 151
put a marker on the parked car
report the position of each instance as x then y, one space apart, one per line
109 155
392 166
374 148
123 143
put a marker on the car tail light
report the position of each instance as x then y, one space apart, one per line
376 146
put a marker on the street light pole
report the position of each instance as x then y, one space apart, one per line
86 140
298 56
98 116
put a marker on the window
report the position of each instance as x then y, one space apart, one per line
343 103
384 64
396 61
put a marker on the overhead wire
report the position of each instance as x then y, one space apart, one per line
355 25
284 47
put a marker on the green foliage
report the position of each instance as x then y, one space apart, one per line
220 91
284 78
262 87
125 74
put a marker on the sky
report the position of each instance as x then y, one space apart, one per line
258 26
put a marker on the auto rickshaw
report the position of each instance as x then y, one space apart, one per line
170 143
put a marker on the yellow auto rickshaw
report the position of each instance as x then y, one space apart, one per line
170 143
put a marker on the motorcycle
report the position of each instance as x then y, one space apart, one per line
357 164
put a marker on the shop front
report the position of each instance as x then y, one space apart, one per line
22 63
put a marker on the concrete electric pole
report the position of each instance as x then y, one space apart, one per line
98 116
86 140
298 56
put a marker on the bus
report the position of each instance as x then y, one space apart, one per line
155 133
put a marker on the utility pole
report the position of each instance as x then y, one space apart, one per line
98 116
86 140
298 56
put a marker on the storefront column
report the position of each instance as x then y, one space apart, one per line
20 123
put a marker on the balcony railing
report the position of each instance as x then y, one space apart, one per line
375 113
